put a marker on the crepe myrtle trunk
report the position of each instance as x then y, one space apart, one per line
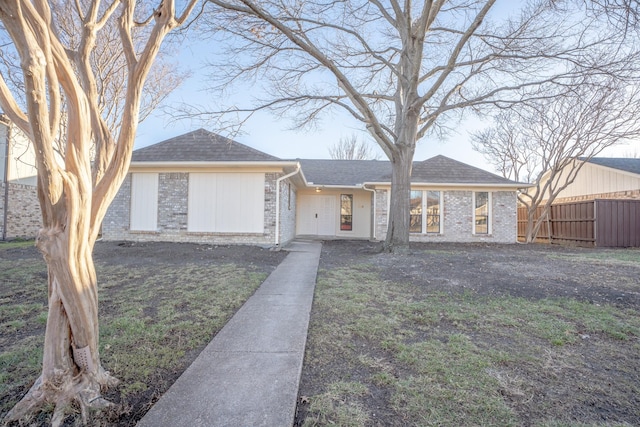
535 221
529 235
397 239
71 367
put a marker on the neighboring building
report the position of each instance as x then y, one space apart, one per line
603 178
601 207
19 207
201 187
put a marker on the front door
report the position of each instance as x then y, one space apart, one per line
316 215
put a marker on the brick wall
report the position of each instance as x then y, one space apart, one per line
288 200
457 218
381 215
172 215
24 218
116 220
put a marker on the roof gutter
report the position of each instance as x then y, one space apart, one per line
209 164
461 185
278 181
312 185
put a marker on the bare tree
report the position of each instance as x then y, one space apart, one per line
75 187
352 149
548 141
401 68
623 14
110 66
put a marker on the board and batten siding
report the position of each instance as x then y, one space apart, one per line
144 202
226 202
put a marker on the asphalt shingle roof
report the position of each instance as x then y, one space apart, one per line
204 146
200 146
623 164
343 172
443 170
436 170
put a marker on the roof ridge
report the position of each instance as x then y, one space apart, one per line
200 145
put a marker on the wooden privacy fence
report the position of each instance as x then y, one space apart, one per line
602 223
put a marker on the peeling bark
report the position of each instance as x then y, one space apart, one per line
71 367
76 184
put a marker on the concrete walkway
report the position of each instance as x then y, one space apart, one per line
249 374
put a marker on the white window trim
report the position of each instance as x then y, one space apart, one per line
339 222
440 212
489 213
424 212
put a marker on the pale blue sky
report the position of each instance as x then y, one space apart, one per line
267 133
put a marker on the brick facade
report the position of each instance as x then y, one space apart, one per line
457 218
288 200
381 215
23 216
172 215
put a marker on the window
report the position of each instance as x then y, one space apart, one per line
346 212
144 202
433 212
481 204
415 212
424 212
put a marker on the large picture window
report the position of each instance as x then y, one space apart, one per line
481 212
424 211
346 212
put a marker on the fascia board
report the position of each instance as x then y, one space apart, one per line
173 165
517 185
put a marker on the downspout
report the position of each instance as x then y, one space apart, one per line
278 181
373 213
5 210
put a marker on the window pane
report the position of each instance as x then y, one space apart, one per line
482 213
415 212
346 212
433 211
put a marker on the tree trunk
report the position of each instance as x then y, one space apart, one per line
71 369
531 220
397 240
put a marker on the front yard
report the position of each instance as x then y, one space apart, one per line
160 305
449 335
473 335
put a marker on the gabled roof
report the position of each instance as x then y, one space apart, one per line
436 170
623 164
200 146
204 147
443 170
